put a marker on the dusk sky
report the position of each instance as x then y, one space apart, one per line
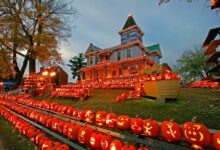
176 26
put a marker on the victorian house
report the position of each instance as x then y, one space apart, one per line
123 60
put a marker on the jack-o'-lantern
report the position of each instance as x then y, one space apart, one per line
151 128
111 120
60 126
105 142
100 118
171 131
65 128
55 124
197 134
84 135
69 111
136 125
75 113
89 116
216 140
95 140
38 137
63 147
72 132
81 114
128 147
116 145
123 122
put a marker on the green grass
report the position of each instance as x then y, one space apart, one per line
203 103
11 139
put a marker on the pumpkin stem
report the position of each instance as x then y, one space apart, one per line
171 119
151 116
194 118
136 116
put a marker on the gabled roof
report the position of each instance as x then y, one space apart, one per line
155 47
211 36
92 48
130 22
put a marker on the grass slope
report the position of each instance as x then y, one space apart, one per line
203 103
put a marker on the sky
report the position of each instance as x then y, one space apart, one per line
177 26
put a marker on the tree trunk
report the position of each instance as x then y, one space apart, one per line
21 73
32 64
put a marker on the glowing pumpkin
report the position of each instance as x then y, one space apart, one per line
111 120
197 134
171 131
116 145
89 116
123 122
216 140
105 142
95 140
136 125
151 128
84 135
72 131
100 118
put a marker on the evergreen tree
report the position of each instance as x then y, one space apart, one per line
76 63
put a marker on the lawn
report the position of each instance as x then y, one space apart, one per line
203 103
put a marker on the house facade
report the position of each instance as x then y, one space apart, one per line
123 60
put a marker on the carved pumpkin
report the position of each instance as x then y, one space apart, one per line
84 135
111 120
60 126
216 140
75 113
105 142
55 124
123 122
95 140
70 111
151 128
81 114
100 117
136 125
72 131
196 133
65 129
128 147
171 131
63 147
89 116
116 145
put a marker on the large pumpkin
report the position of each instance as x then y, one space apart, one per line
196 133
100 118
123 122
105 142
116 145
84 135
151 128
136 125
95 140
72 132
216 140
171 131
111 120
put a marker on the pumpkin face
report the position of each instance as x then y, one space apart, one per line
111 120
136 125
81 114
123 122
171 131
89 116
116 145
63 147
84 135
128 147
95 140
151 128
39 137
196 133
100 118
105 142
216 140
72 132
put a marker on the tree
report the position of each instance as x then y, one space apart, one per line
191 65
34 29
76 63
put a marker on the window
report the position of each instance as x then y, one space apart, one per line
128 36
96 60
91 61
128 53
119 56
